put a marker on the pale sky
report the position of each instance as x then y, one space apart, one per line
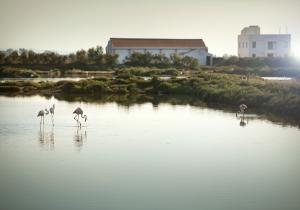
69 25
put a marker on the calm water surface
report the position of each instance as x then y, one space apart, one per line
143 157
277 78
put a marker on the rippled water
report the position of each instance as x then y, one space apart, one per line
144 157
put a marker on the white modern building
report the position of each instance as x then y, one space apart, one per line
195 48
253 44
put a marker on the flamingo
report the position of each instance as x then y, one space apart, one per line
78 111
41 114
52 113
242 109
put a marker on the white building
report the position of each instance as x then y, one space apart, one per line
186 47
253 44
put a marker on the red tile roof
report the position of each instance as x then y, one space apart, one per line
130 42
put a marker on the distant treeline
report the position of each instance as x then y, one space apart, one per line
92 59
95 59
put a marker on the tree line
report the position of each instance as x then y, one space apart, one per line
81 58
93 58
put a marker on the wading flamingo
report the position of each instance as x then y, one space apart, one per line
242 109
52 113
41 114
78 111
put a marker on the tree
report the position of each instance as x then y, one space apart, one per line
111 59
189 62
160 60
24 57
81 57
2 57
99 53
71 58
95 55
175 60
139 59
13 58
32 57
92 55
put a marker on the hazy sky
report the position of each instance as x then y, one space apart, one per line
69 25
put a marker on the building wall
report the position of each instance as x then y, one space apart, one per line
250 35
199 53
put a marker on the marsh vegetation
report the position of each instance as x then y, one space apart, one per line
282 97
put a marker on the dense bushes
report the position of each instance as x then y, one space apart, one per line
161 61
147 72
17 73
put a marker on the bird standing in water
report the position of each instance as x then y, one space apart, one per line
242 109
78 111
52 113
41 114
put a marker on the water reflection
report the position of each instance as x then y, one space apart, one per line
127 101
242 122
242 119
46 139
80 138
245 119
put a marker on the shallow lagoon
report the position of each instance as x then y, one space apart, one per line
144 157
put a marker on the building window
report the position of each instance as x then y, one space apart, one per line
271 45
243 45
176 51
145 50
270 55
239 45
253 44
160 51
129 51
253 55
246 44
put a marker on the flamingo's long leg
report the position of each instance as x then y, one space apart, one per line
52 117
79 122
76 119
